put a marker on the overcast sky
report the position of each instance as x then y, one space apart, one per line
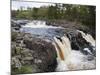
17 4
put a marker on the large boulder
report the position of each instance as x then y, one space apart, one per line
44 53
35 53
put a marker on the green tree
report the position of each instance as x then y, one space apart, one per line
34 13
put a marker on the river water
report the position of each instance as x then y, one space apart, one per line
40 29
72 59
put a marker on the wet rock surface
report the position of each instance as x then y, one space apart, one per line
17 24
14 25
79 43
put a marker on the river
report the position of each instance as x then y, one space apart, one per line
70 59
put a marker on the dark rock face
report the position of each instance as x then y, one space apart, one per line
44 53
28 51
15 26
79 43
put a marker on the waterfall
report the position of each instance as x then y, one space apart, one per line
69 59
63 49
88 38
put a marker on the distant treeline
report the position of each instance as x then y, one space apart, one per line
78 13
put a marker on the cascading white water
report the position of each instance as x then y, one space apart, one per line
69 59
87 37
39 24
63 48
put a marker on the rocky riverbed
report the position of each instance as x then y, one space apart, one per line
33 53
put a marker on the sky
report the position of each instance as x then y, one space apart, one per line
17 4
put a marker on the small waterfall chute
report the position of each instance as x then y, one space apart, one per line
87 37
63 49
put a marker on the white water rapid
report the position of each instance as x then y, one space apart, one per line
39 24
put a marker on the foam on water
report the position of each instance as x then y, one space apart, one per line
78 61
39 24
73 60
86 49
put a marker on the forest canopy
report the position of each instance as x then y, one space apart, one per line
79 13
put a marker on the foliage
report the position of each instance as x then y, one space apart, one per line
24 69
79 13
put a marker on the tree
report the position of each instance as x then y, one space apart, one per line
34 13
